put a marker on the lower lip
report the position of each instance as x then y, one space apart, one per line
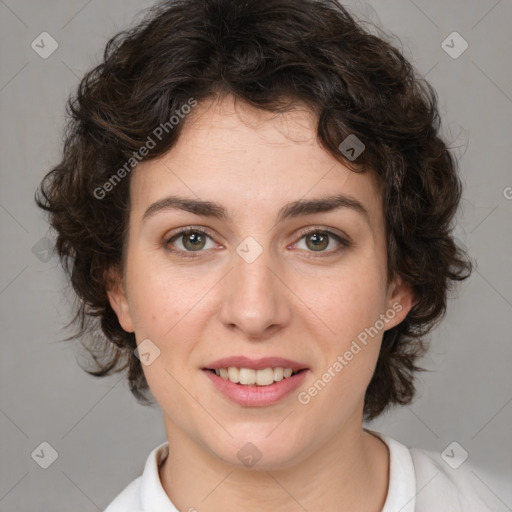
256 396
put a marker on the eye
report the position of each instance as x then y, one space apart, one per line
194 240
318 240
190 239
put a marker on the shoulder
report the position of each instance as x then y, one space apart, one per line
129 500
423 480
449 483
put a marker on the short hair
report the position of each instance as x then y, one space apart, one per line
274 55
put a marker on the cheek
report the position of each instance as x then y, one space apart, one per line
169 308
167 312
345 302
160 297
346 309
349 347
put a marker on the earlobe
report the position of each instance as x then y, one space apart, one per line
118 300
400 300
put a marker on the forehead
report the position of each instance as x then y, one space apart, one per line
249 160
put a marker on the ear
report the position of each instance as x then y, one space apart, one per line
400 300
118 300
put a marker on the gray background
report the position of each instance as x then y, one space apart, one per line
101 434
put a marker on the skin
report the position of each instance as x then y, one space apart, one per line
198 309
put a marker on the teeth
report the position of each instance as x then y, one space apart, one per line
248 376
233 374
278 374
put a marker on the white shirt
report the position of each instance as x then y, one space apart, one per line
419 481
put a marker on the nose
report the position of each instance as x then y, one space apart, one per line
255 300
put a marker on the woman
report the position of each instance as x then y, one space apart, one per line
255 203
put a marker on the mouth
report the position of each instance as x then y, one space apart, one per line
264 371
255 382
251 377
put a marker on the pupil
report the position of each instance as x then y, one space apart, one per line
318 240
194 239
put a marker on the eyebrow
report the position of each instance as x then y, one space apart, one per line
299 208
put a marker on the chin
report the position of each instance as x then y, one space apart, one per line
257 450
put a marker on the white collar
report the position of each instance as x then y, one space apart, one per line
400 496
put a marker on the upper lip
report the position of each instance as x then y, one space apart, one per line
255 364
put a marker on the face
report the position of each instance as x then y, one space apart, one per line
267 279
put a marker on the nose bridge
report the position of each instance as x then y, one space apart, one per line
254 299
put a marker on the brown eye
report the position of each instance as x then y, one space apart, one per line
317 241
189 241
193 240
320 241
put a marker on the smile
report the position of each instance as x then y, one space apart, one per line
254 395
248 376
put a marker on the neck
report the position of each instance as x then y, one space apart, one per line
349 472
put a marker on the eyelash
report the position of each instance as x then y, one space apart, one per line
344 243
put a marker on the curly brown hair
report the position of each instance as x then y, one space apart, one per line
271 54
